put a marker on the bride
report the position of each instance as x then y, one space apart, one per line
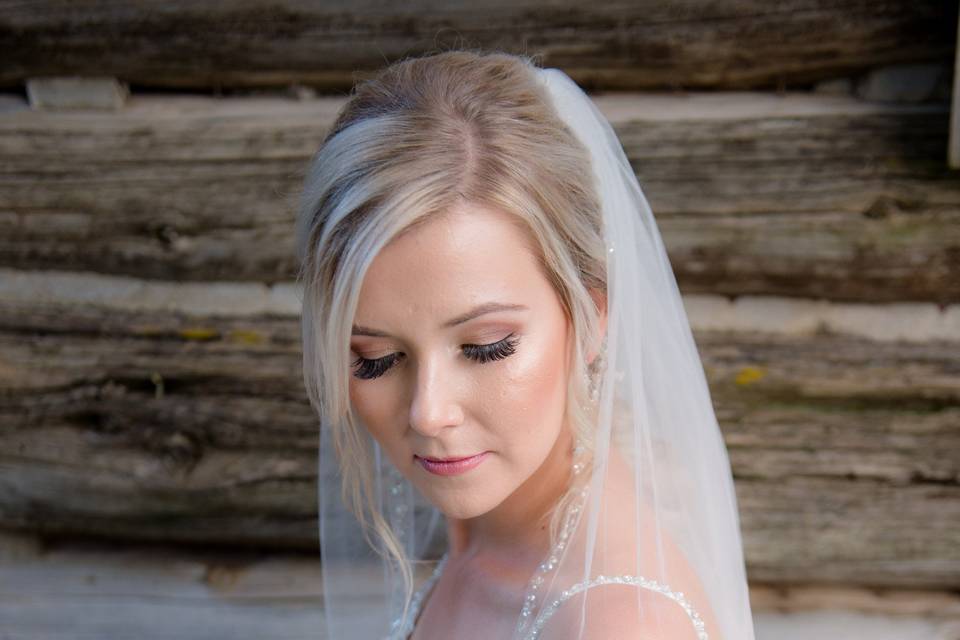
504 374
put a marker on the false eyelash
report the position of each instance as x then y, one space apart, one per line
369 369
482 353
497 351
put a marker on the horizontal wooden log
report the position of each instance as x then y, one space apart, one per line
163 426
754 194
69 590
76 590
32 291
605 44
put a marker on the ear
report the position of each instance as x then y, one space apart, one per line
600 300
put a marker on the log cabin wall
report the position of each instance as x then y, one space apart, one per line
155 439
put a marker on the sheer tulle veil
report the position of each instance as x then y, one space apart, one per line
654 521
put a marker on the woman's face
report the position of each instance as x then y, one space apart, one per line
460 348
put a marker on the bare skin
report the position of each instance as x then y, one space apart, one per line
484 582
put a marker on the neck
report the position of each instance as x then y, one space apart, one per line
521 523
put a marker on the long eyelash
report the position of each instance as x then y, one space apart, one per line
369 369
482 353
496 351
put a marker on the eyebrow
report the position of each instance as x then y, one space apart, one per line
483 309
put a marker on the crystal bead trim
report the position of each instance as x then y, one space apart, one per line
639 581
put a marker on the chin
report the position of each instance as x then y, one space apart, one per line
462 505
461 511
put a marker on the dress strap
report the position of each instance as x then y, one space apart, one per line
639 581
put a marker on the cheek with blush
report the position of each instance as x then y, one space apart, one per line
531 399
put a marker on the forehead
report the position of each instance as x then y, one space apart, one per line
471 254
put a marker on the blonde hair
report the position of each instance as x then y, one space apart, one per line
422 135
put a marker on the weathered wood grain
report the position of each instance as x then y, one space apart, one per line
85 591
689 43
805 196
846 451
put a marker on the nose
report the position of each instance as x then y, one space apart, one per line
434 405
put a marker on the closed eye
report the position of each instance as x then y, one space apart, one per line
368 369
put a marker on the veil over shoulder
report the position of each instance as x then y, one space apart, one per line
651 539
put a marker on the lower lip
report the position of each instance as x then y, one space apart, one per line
451 468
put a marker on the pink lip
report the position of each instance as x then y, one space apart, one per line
451 467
